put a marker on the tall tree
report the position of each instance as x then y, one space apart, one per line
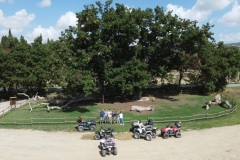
40 64
21 56
9 64
218 62
105 42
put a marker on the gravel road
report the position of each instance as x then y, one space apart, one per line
209 144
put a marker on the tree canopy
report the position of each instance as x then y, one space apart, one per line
115 49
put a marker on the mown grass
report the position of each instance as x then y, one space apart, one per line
168 106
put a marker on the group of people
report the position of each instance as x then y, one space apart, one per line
111 116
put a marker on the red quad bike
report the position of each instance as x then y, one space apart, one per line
171 131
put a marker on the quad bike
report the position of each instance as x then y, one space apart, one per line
89 125
171 131
147 132
107 146
101 133
137 124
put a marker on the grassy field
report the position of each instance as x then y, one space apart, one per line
165 106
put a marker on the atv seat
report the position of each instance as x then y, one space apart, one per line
149 122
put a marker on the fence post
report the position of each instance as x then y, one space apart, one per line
65 120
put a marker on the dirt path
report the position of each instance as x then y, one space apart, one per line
211 144
5 106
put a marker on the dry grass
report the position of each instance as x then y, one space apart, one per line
88 136
124 136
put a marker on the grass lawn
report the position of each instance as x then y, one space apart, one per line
164 106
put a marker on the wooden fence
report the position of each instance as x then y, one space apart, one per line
72 120
193 117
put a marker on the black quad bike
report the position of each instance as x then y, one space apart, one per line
147 132
137 124
107 146
171 131
89 125
101 133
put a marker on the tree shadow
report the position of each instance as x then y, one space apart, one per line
170 98
79 106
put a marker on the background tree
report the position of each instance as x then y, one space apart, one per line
9 64
216 66
18 69
117 49
191 40
40 65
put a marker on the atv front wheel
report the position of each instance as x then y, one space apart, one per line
103 152
165 135
92 128
115 151
136 135
148 137
96 136
178 134
154 135
80 128
135 129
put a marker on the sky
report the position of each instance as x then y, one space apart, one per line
32 18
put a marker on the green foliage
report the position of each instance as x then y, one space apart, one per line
131 78
105 54
80 82
218 63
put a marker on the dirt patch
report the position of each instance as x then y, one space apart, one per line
88 136
123 136
119 136
126 106
193 145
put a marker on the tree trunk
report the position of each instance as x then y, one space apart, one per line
103 91
180 78
102 98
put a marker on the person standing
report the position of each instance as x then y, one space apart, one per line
110 116
121 118
106 116
102 113
117 117
114 116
